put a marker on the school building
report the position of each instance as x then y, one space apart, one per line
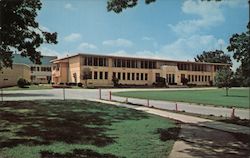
24 68
130 70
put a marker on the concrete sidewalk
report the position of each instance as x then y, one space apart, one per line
187 107
232 128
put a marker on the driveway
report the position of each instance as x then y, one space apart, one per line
94 94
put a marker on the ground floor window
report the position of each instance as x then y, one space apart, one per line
142 76
133 76
124 76
95 75
137 76
128 76
100 75
106 75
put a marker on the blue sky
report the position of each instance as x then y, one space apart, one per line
170 29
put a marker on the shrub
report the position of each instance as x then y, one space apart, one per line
22 83
79 84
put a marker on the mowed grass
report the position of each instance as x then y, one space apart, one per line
31 87
74 129
237 97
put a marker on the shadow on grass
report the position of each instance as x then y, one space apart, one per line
168 134
213 143
236 96
72 122
77 153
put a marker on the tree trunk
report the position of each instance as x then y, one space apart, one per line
86 83
226 91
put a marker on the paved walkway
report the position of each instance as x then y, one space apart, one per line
187 119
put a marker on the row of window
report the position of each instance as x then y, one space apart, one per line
95 61
32 78
192 67
117 62
130 63
119 75
131 76
37 68
198 78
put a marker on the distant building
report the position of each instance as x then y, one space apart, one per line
9 77
131 71
38 73
24 68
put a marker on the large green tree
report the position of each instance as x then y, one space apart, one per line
223 78
240 45
20 32
217 56
119 5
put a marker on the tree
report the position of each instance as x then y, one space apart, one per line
20 32
223 78
238 79
119 5
115 81
86 75
75 77
240 45
217 56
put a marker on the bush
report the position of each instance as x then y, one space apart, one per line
22 83
79 84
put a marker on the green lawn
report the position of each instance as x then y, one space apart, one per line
31 87
217 97
74 129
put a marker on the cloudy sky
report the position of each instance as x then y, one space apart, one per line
170 29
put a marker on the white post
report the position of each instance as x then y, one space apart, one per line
63 93
100 93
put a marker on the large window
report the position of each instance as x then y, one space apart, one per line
90 63
133 76
124 76
137 76
142 76
101 75
146 76
119 75
95 61
128 76
106 75
95 75
157 77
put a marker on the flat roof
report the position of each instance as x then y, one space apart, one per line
139 58
45 60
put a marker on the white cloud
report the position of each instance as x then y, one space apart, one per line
118 43
186 48
44 28
51 52
86 46
145 38
68 6
209 13
72 37
138 54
